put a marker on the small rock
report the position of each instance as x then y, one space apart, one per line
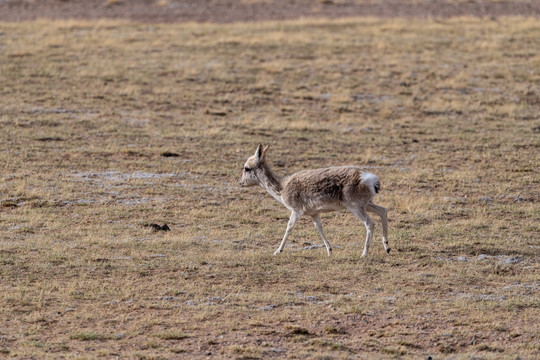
517 198
169 154
62 313
169 298
50 138
462 258
484 297
512 260
9 204
216 112
326 96
156 227
215 300
442 258
312 247
268 307
483 257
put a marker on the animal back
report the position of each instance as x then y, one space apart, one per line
328 185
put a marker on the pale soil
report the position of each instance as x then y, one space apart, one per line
225 11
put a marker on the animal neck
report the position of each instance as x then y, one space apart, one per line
271 182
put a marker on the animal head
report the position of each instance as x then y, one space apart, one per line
253 170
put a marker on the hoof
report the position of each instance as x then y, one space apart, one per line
277 252
388 250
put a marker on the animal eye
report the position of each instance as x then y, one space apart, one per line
247 169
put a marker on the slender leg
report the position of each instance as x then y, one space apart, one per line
370 225
292 221
318 226
381 211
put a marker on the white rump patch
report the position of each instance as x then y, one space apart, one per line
370 180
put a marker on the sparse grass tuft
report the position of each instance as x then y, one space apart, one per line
110 125
295 330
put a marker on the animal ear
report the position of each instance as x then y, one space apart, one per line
265 150
259 153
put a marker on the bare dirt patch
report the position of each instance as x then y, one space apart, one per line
226 11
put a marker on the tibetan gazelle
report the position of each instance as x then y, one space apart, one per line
312 192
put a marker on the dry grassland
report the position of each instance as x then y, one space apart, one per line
447 113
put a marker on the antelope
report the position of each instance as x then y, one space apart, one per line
312 192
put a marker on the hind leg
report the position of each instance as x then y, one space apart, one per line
382 212
361 213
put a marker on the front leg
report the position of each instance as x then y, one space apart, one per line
295 215
318 225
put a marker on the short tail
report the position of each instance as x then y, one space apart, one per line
372 181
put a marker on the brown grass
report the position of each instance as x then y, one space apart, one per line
445 112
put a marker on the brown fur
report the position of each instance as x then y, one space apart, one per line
312 192
309 190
